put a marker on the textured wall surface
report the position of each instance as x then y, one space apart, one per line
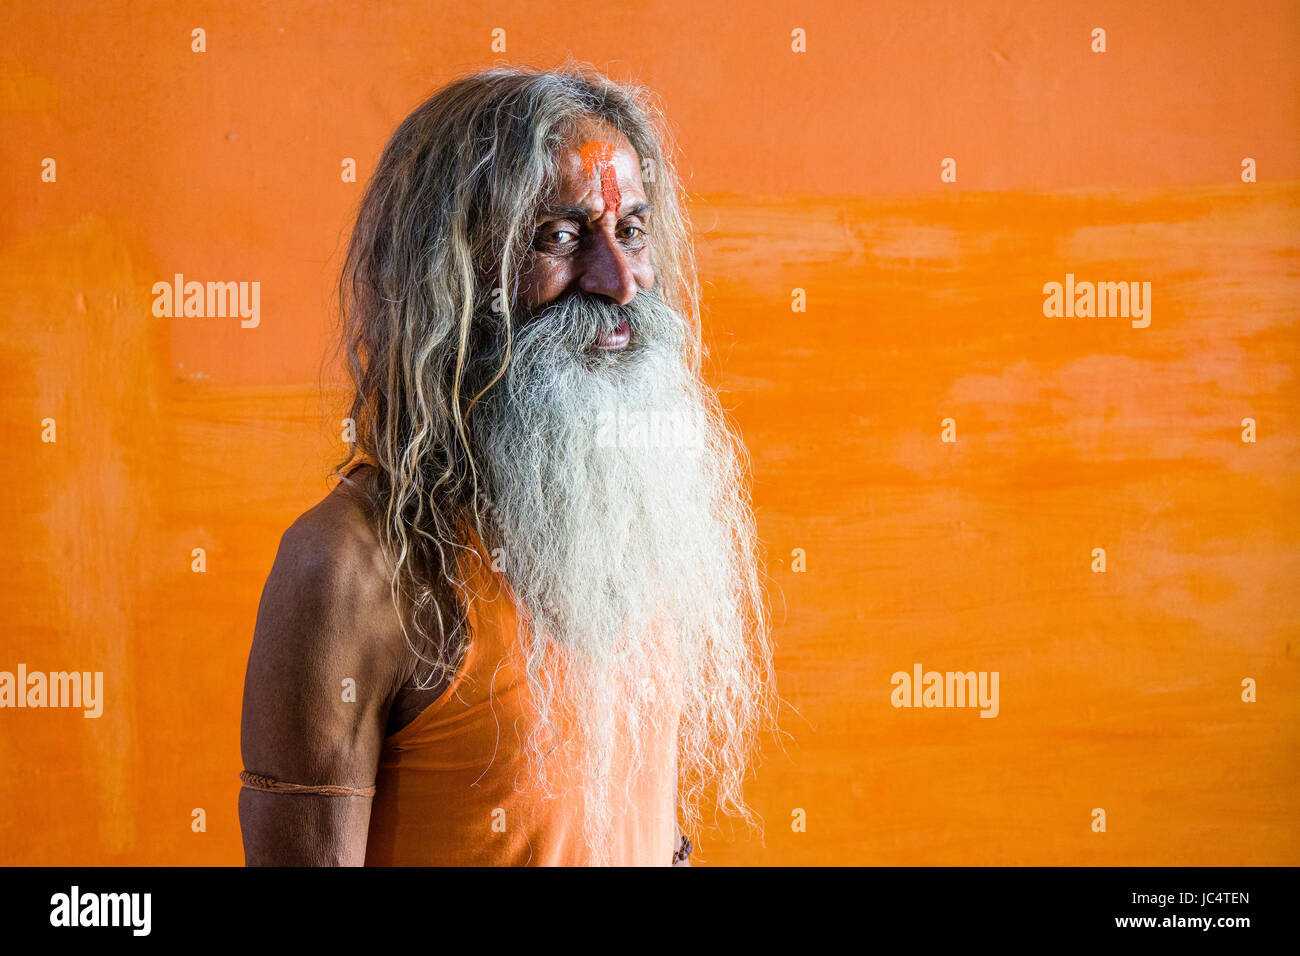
817 170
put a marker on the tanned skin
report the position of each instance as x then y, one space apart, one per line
593 249
327 613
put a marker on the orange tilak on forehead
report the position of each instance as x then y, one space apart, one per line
599 157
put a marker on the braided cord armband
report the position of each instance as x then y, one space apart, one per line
258 781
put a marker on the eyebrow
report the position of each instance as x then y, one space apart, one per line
581 214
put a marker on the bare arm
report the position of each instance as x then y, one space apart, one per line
322 674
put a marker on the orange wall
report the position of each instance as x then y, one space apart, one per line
819 171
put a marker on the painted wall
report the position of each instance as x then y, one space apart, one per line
820 171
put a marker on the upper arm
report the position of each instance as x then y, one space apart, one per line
322 673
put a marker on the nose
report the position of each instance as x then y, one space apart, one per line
606 270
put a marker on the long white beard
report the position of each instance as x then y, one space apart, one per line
618 503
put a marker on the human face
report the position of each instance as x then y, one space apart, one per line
591 235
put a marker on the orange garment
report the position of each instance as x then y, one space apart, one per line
454 789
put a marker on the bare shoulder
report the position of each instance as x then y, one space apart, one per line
328 652
336 536
330 571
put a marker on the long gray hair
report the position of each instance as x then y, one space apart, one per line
431 285
442 237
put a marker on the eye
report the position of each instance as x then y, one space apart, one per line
630 232
556 236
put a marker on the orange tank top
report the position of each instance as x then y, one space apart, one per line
453 787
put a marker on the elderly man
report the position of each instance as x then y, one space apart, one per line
527 626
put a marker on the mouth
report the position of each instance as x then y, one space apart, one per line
615 340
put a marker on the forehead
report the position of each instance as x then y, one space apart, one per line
595 148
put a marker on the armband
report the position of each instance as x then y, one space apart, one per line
258 781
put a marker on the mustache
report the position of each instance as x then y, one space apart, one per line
575 321
558 339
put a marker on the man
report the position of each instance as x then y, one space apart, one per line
527 626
